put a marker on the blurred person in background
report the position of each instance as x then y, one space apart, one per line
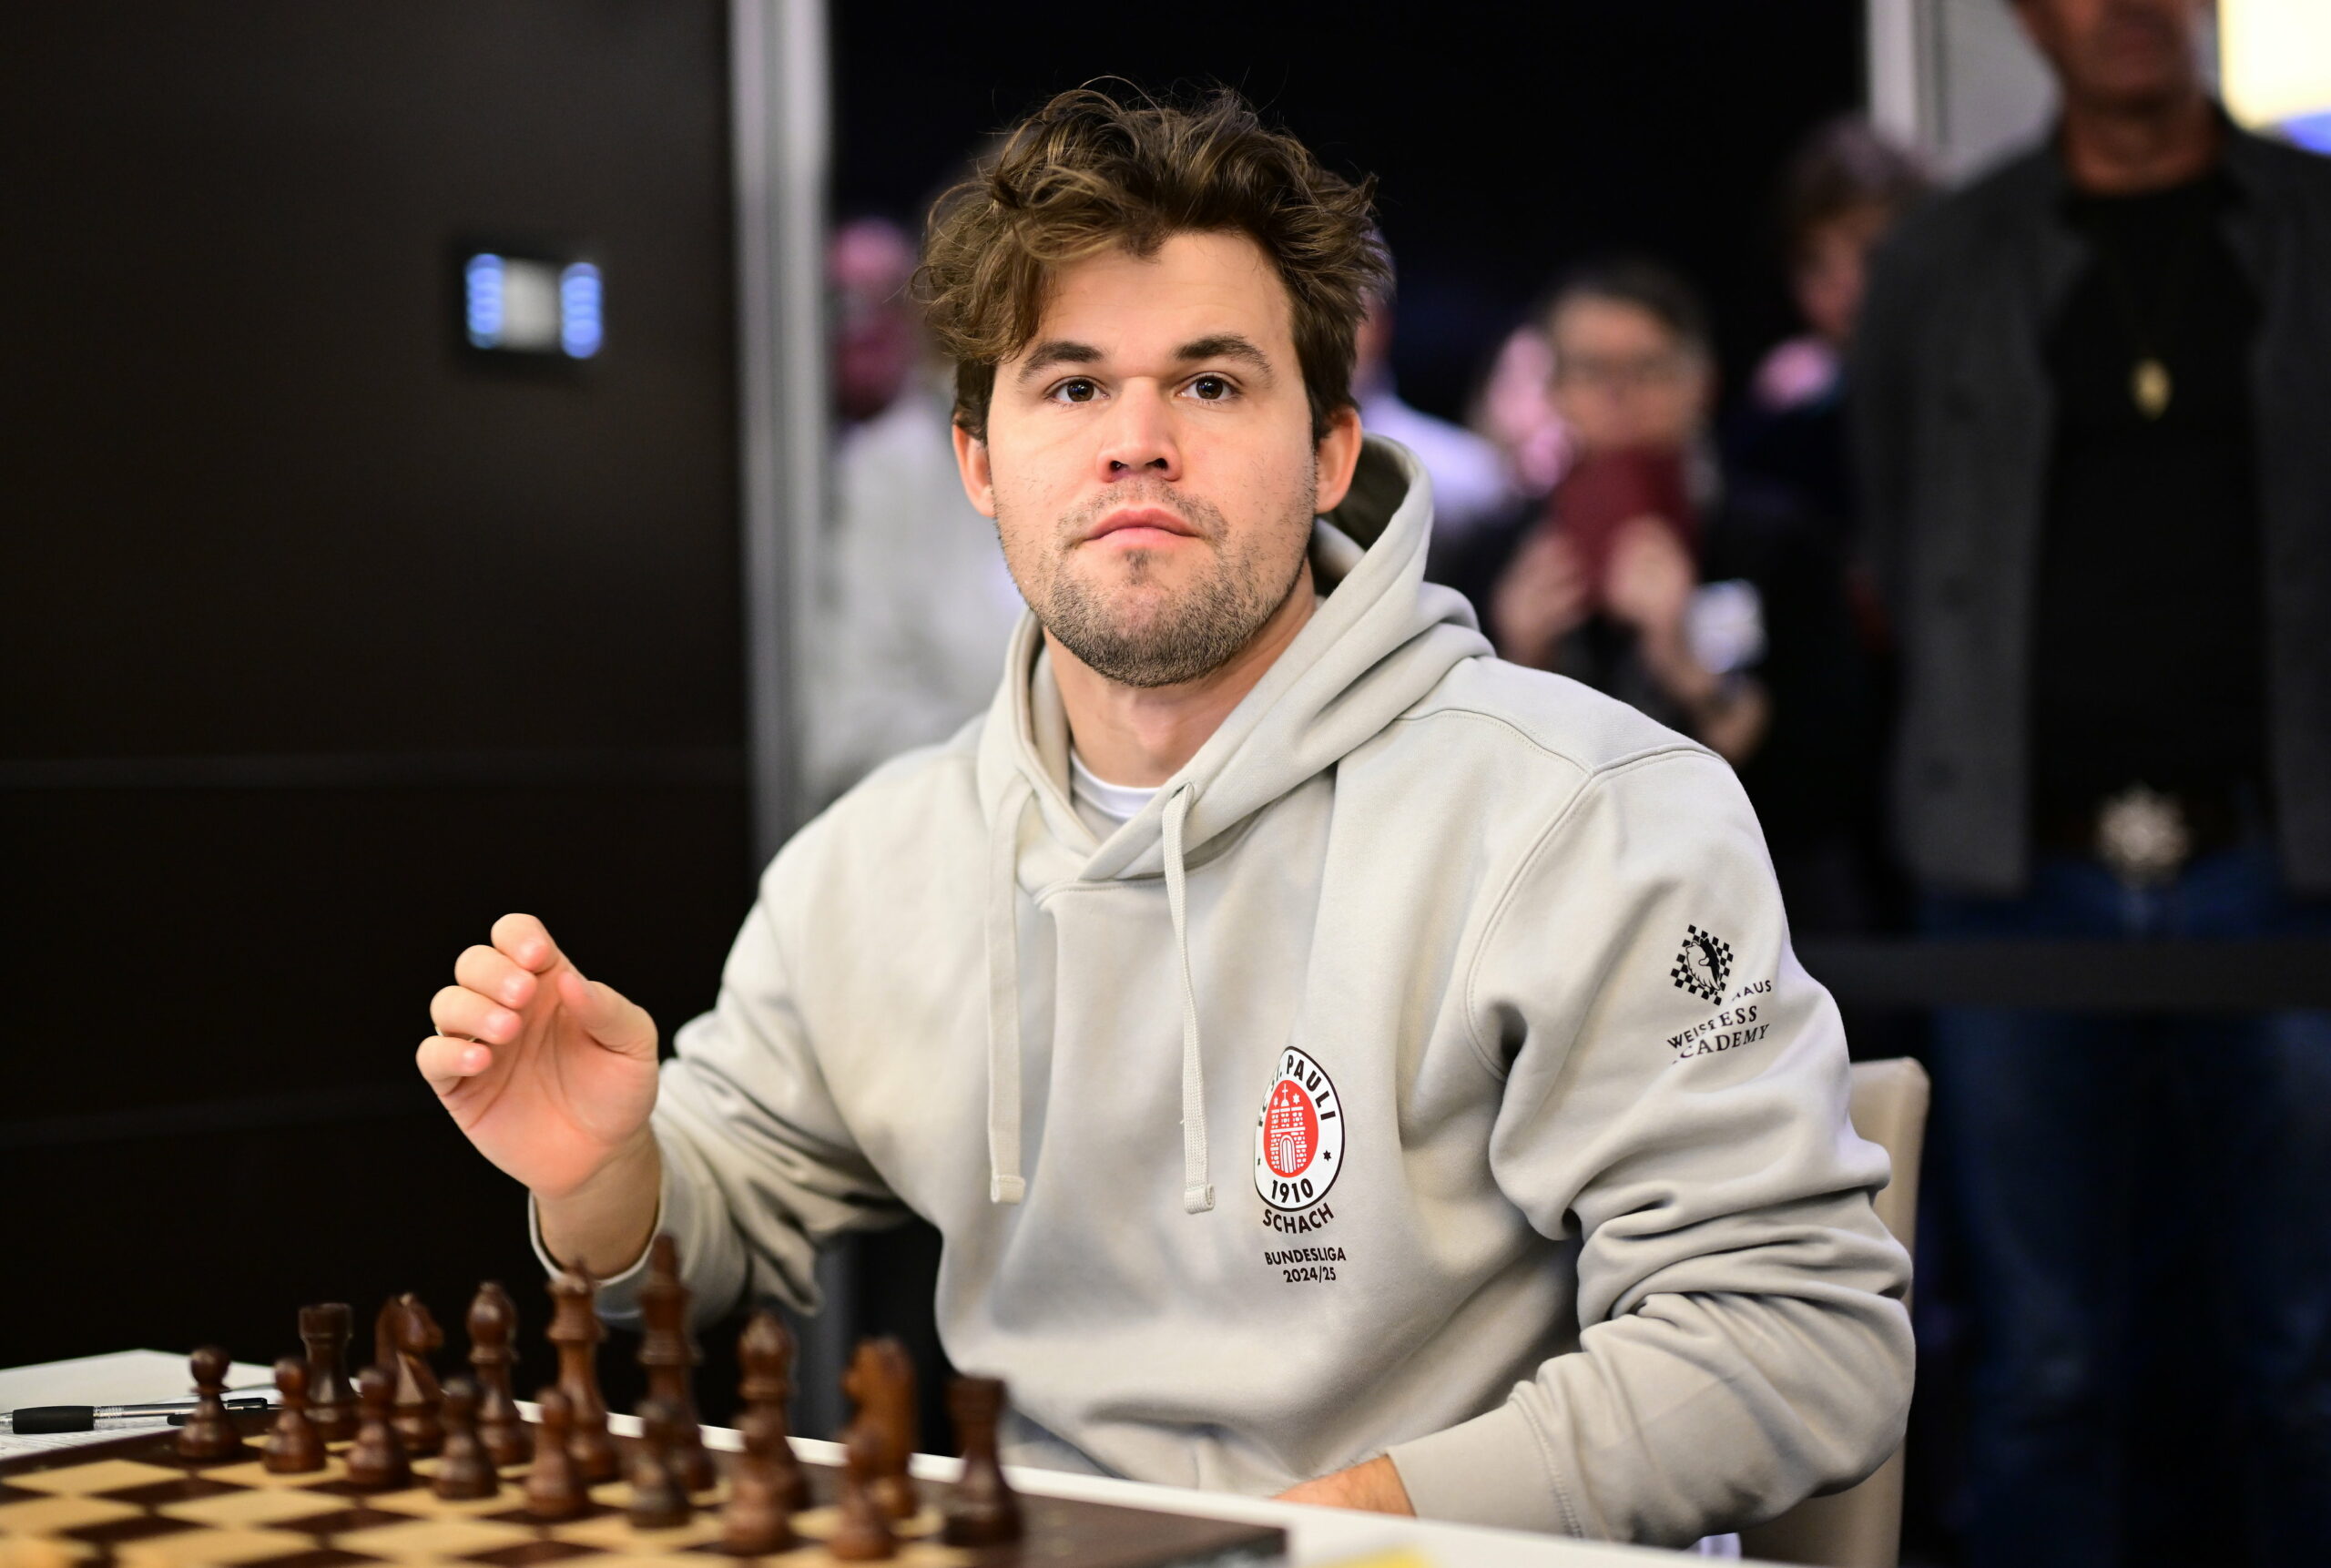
1715 605
1844 188
1514 412
2091 394
1469 483
916 603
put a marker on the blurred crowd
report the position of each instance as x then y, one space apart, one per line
2003 584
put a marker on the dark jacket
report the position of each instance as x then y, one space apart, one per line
1953 436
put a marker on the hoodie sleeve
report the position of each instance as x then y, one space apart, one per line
759 1168
1676 1098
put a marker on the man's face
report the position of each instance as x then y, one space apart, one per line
1149 461
2119 53
1623 379
1832 270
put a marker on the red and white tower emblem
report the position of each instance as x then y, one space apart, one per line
1299 1136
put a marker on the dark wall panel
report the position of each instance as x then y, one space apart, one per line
322 643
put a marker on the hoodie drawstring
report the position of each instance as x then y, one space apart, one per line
1197 1193
1005 1182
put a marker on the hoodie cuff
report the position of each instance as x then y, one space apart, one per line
618 1298
1491 1469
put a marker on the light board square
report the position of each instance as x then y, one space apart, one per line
253 1510
253 1472
48 1516
420 1540
616 1534
103 1475
427 1505
210 1548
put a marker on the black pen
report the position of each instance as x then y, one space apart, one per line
31 1419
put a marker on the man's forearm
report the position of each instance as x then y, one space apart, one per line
603 1226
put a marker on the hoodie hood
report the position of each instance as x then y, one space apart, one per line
1380 640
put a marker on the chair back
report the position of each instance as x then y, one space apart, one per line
1861 1527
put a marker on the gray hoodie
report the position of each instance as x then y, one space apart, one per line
1425 1069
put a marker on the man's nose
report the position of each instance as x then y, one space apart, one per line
1138 436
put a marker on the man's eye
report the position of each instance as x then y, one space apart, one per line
1210 388
1079 391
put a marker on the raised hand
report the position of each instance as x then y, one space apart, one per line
550 1075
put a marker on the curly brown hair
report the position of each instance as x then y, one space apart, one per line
1088 171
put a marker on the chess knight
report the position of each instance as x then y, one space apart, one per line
1256 820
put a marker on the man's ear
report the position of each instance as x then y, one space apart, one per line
1336 455
978 473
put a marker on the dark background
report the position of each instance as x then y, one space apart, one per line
1507 141
322 644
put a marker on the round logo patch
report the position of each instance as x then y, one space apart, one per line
1299 1136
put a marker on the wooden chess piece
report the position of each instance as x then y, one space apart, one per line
494 1332
658 1499
669 1357
464 1470
403 1336
757 1520
294 1446
765 1351
984 1511
208 1433
554 1488
331 1398
863 1533
378 1461
873 1382
574 1329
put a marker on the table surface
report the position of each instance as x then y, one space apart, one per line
1316 1537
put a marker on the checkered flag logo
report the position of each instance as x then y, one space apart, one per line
1703 964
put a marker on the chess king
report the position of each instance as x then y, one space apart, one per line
1254 806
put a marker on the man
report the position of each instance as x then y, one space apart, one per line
1329 1054
1727 620
2092 390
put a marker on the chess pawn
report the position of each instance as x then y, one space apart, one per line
378 1461
658 1500
762 1498
765 1351
984 1511
464 1470
554 1489
294 1446
331 1398
863 1533
208 1434
494 1326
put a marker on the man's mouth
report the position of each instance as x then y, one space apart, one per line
1136 525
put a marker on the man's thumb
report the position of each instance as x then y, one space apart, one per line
608 1016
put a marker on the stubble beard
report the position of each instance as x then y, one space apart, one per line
1127 631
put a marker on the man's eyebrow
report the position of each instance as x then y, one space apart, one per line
1225 346
1055 352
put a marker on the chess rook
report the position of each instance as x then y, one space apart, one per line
325 1331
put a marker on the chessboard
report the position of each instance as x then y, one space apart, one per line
393 1467
133 1502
